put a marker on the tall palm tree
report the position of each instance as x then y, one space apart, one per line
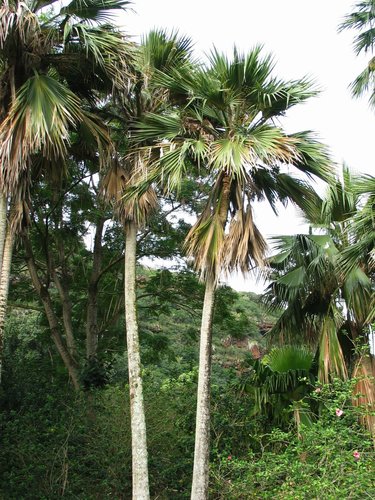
325 284
321 296
50 65
226 132
157 52
363 20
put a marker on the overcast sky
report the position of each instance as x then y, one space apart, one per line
304 40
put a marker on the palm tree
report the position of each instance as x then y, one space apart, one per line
50 65
324 283
322 297
281 378
157 52
226 134
363 20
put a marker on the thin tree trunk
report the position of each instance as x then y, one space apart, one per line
199 490
61 282
92 299
66 309
202 430
53 322
4 287
138 422
3 225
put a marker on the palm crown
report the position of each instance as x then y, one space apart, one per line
49 63
226 131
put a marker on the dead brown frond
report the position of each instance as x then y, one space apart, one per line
18 20
114 182
364 391
331 358
122 175
244 246
204 243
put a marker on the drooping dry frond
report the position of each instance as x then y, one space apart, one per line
364 391
204 243
331 358
120 177
205 240
17 20
244 246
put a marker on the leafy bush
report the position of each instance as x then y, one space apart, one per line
332 458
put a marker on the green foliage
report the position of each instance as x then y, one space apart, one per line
55 443
285 358
332 458
284 377
362 20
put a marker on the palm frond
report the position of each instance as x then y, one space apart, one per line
163 52
268 144
285 358
362 20
314 158
122 176
244 247
278 97
17 20
205 240
38 121
98 11
156 127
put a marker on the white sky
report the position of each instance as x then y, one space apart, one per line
303 37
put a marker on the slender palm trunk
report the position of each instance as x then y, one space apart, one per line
202 430
138 421
4 286
199 490
3 225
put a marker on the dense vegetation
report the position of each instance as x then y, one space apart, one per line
113 371
55 442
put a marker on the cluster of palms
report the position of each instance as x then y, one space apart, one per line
152 117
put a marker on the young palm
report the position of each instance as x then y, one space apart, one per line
157 52
226 130
50 65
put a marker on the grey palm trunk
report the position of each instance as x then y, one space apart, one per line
6 262
199 489
3 225
137 414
